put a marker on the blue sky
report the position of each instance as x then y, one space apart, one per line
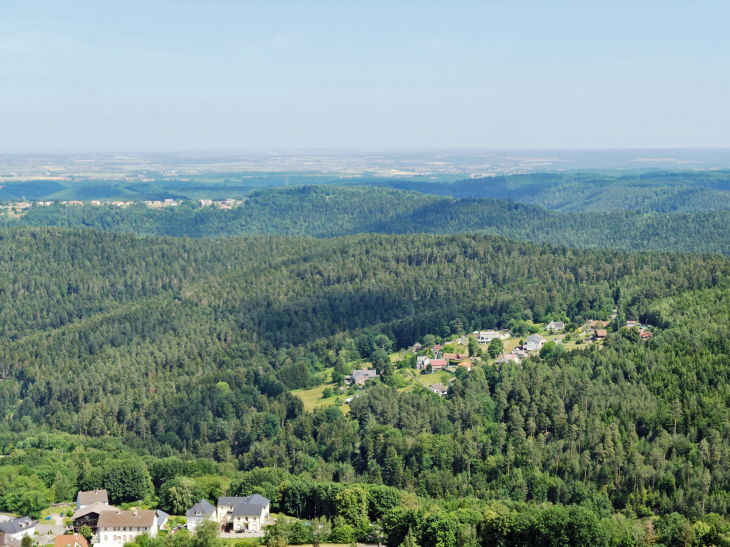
212 75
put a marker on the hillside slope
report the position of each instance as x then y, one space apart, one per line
330 211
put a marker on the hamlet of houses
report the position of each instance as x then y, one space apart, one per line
248 514
433 358
22 206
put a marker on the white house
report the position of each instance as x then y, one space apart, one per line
486 336
534 343
555 325
243 513
198 513
422 361
84 499
115 528
18 527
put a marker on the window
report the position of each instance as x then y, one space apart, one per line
106 538
125 537
115 537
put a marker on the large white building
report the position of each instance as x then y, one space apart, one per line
243 513
115 528
486 336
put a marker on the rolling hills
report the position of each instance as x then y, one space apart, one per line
331 211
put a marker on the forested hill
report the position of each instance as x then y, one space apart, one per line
189 349
99 328
329 211
660 192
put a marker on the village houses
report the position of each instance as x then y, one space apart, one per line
534 342
18 527
115 528
247 513
88 515
84 499
359 377
555 325
70 540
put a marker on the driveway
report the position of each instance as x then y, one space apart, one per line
47 533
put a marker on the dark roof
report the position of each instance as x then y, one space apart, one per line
199 509
247 510
17 525
231 500
258 499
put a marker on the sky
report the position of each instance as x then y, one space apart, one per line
126 75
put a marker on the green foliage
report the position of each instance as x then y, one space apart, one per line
596 212
495 348
179 494
86 532
127 481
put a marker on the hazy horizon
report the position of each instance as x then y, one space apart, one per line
183 75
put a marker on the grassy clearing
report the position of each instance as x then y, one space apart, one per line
312 397
435 378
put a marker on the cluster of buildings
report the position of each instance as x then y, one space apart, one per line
113 527
486 336
225 204
21 206
644 331
232 513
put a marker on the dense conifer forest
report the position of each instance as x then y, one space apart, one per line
163 368
330 211
661 192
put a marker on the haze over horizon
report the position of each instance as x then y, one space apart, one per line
101 76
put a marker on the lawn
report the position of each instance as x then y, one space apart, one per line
439 377
54 515
312 397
